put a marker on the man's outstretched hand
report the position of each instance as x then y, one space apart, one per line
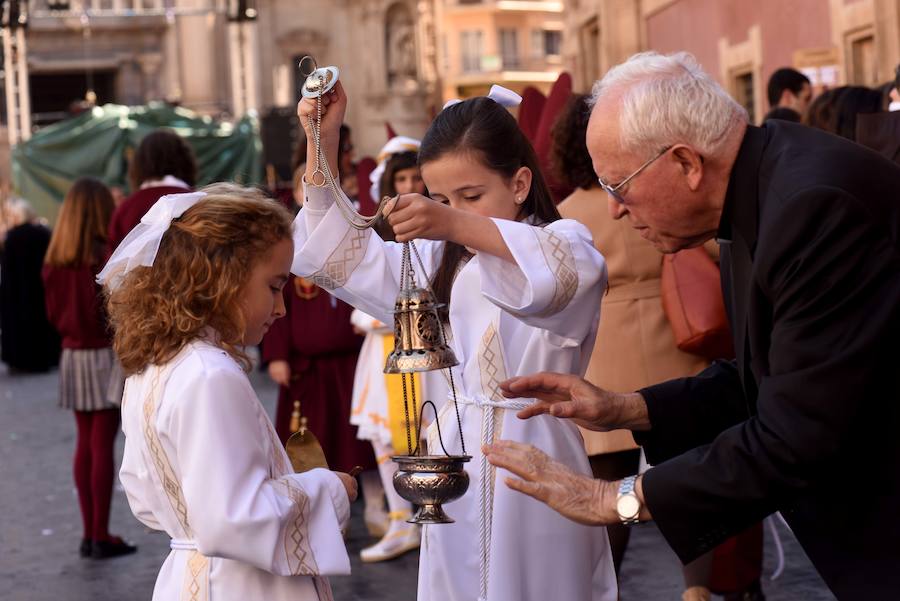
580 498
571 397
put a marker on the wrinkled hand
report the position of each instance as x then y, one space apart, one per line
280 372
580 498
349 483
571 397
414 216
334 106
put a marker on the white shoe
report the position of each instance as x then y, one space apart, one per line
393 545
377 521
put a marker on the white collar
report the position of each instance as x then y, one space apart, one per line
168 181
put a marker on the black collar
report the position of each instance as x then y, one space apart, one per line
740 212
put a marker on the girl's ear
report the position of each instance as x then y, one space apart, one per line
521 184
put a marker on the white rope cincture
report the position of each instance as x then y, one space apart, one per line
486 490
182 544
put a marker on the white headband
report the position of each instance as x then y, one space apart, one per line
395 145
498 94
140 246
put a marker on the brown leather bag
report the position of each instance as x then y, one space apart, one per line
692 301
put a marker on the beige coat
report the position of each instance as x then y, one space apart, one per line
634 346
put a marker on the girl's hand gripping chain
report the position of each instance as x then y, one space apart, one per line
326 117
334 106
415 216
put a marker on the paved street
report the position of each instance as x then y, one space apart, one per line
40 526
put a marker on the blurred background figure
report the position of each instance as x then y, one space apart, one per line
789 88
346 166
881 131
28 342
163 164
75 307
630 310
377 397
837 110
784 113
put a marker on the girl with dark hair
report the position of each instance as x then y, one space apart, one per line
75 308
523 288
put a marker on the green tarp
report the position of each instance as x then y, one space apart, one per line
98 142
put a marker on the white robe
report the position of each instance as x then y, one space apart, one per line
371 407
369 411
202 463
539 313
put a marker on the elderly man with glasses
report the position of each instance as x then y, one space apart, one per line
804 421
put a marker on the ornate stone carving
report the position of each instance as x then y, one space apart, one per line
400 46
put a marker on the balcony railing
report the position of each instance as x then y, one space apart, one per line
48 8
80 6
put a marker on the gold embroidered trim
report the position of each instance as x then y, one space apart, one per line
493 371
558 254
296 543
344 260
323 588
196 578
490 363
164 469
278 456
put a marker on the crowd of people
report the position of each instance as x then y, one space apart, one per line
573 387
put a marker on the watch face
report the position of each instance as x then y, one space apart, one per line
628 507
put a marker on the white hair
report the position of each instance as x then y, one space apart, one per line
19 211
669 99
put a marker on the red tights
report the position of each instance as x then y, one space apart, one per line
94 469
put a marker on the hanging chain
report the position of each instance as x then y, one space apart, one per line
409 447
415 404
353 217
462 440
322 177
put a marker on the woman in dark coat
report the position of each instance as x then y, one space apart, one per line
27 340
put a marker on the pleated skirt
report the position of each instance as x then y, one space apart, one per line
87 380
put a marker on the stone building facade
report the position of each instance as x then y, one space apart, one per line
836 42
195 53
399 59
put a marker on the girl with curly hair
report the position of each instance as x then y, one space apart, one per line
200 278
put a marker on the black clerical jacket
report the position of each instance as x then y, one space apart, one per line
806 420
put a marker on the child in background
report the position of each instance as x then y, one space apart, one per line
375 394
75 308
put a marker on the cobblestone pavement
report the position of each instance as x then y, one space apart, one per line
40 526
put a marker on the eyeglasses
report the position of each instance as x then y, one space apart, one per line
614 190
